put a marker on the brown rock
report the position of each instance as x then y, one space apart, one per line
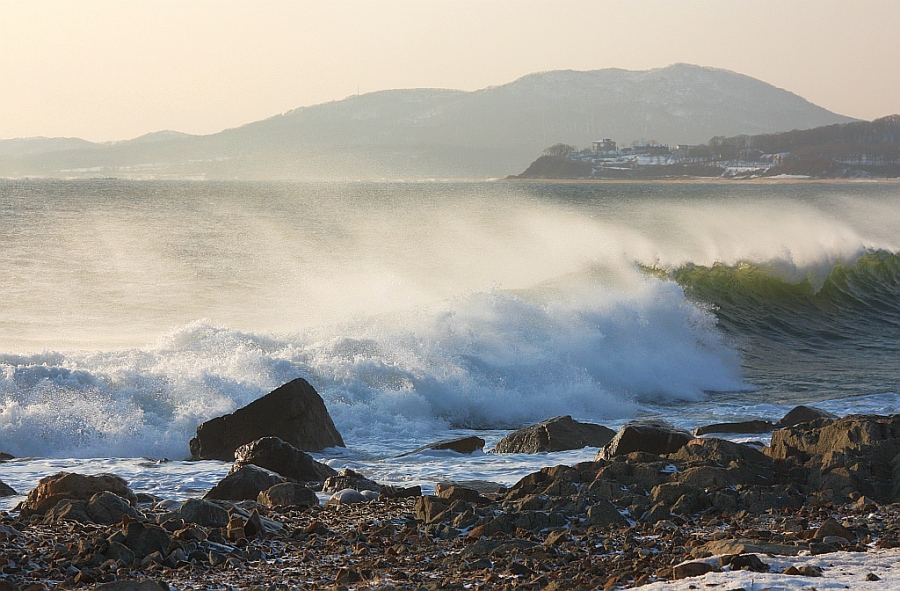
603 514
556 434
200 512
348 478
65 485
831 528
144 539
652 436
146 585
803 414
293 412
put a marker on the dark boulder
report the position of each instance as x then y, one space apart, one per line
282 458
651 436
853 454
746 427
199 512
4 457
66 485
556 434
107 508
144 539
244 485
293 412
463 445
803 414
6 490
348 478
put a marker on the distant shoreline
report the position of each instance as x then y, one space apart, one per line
707 180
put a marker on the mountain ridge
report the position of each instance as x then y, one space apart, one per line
446 133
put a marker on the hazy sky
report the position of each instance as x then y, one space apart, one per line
116 69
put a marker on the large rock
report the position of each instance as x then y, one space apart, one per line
66 485
743 427
463 445
288 494
6 490
652 436
853 454
244 485
282 458
200 512
293 412
107 508
556 434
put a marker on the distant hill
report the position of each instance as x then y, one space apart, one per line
433 133
860 149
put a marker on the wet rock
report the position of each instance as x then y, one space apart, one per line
652 436
278 456
199 512
293 412
747 427
556 434
348 478
245 484
107 508
144 539
803 414
66 485
5 457
288 494
400 492
6 490
463 445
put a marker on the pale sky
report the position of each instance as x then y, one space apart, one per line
116 69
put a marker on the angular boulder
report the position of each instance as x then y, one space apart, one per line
244 485
67 485
294 412
556 434
803 414
348 478
653 436
282 458
463 445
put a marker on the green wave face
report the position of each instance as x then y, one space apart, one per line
848 327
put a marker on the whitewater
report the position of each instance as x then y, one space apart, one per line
132 311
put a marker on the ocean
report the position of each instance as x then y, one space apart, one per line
132 311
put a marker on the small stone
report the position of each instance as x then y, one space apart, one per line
691 569
872 577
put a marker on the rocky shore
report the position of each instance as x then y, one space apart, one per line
656 504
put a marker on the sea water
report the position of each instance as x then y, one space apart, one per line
132 311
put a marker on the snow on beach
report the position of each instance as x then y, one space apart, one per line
840 570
